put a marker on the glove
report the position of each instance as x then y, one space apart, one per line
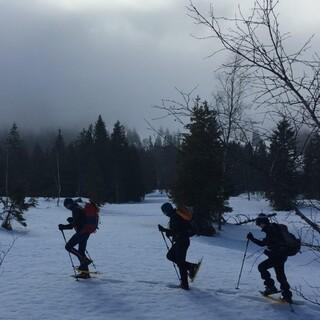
61 227
267 253
250 236
168 234
70 220
161 228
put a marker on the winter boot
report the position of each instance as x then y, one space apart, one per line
83 275
287 296
184 285
270 290
85 261
83 268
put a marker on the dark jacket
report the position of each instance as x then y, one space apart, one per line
273 240
78 219
180 229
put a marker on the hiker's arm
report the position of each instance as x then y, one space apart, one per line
65 226
76 217
260 243
69 225
168 232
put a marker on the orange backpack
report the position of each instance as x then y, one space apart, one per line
184 213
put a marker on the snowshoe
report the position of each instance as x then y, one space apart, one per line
193 273
87 271
270 291
83 275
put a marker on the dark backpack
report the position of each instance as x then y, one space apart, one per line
290 241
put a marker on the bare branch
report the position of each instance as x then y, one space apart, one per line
4 253
282 78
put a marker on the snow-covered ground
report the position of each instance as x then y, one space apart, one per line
36 282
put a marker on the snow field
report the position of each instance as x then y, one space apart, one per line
36 282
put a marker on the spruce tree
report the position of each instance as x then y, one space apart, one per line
90 178
165 151
41 179
311 172
134 138
71 172
247 168
16 184
234 181
199 181
261 165
282 188
17 164
59 162
119 145
149 172
102 151
133 178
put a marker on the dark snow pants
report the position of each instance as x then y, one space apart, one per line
81 240
178 254
276 262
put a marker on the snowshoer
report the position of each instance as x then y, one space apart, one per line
180 230
83 230
277 255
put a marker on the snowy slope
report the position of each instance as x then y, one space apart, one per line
36 284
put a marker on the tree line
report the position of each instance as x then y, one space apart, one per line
118 167
105 166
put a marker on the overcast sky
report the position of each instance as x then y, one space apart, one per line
64 62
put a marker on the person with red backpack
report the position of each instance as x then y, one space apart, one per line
84 221
277 252
180 230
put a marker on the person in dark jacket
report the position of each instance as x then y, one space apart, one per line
80 238
277 256
179 230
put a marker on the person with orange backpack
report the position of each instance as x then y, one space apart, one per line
179 233
85 221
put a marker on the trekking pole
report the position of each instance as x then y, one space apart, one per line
74 268
87 253
244 257
175 268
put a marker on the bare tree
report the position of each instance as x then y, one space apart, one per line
229 102
58 150
58 179
179 110
287 81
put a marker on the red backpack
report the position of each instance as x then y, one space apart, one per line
91 211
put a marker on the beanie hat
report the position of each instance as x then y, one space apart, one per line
167 209
262 219
68 202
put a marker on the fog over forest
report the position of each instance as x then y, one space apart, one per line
65 62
